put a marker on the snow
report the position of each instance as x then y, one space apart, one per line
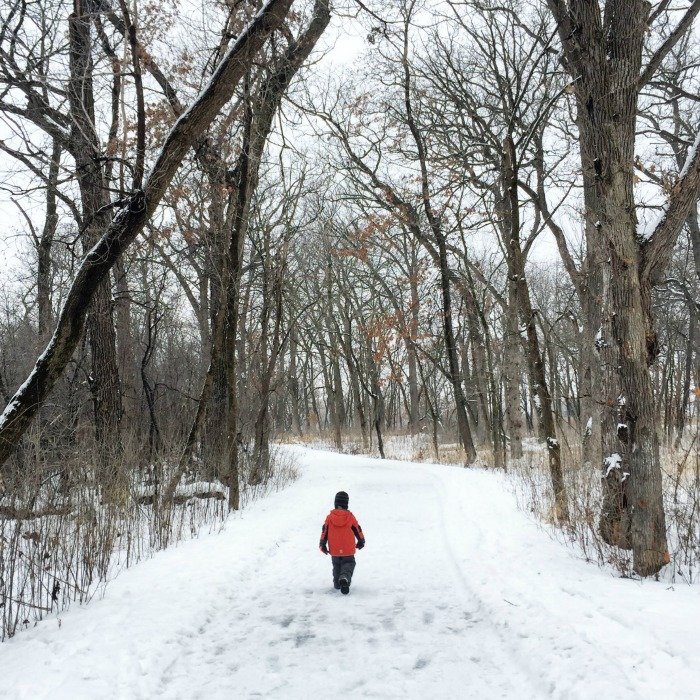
612 462
691 156
655 223
599 341
456 595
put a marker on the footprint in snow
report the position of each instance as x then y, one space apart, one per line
301 639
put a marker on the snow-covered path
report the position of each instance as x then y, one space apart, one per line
457 595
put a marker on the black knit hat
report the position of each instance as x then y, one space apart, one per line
342 500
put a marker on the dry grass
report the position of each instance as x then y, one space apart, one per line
416 448
681 482
62 543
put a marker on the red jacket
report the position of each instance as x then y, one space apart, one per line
339 531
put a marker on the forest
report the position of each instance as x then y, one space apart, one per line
459 231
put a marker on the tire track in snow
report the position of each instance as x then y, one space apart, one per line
583 666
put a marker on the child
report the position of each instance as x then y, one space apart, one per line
339 532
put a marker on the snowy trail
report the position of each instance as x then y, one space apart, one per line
457 595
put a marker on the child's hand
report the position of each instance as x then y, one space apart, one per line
360 544
323 548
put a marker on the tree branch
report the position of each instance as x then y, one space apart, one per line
657 249
681 28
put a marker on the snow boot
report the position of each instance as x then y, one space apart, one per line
336 585
344 585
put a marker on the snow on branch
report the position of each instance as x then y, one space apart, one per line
658 245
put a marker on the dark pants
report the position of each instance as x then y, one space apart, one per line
343 566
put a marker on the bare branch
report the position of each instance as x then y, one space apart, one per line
681 28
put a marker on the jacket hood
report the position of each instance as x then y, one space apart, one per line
340 517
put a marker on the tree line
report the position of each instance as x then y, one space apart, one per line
485 236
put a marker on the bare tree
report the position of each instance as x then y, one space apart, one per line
603 53
130 219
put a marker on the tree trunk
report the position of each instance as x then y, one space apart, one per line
214 442
511 374
104 381
603 54
455 375
293 385
43 294
127 365
413 393
687 376
353 372
516 271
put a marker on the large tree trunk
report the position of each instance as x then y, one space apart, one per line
85 149
214 442
603 54
614 525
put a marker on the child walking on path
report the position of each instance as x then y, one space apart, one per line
338 535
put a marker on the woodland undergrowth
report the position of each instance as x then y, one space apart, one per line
64 538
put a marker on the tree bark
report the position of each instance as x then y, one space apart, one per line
43 294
